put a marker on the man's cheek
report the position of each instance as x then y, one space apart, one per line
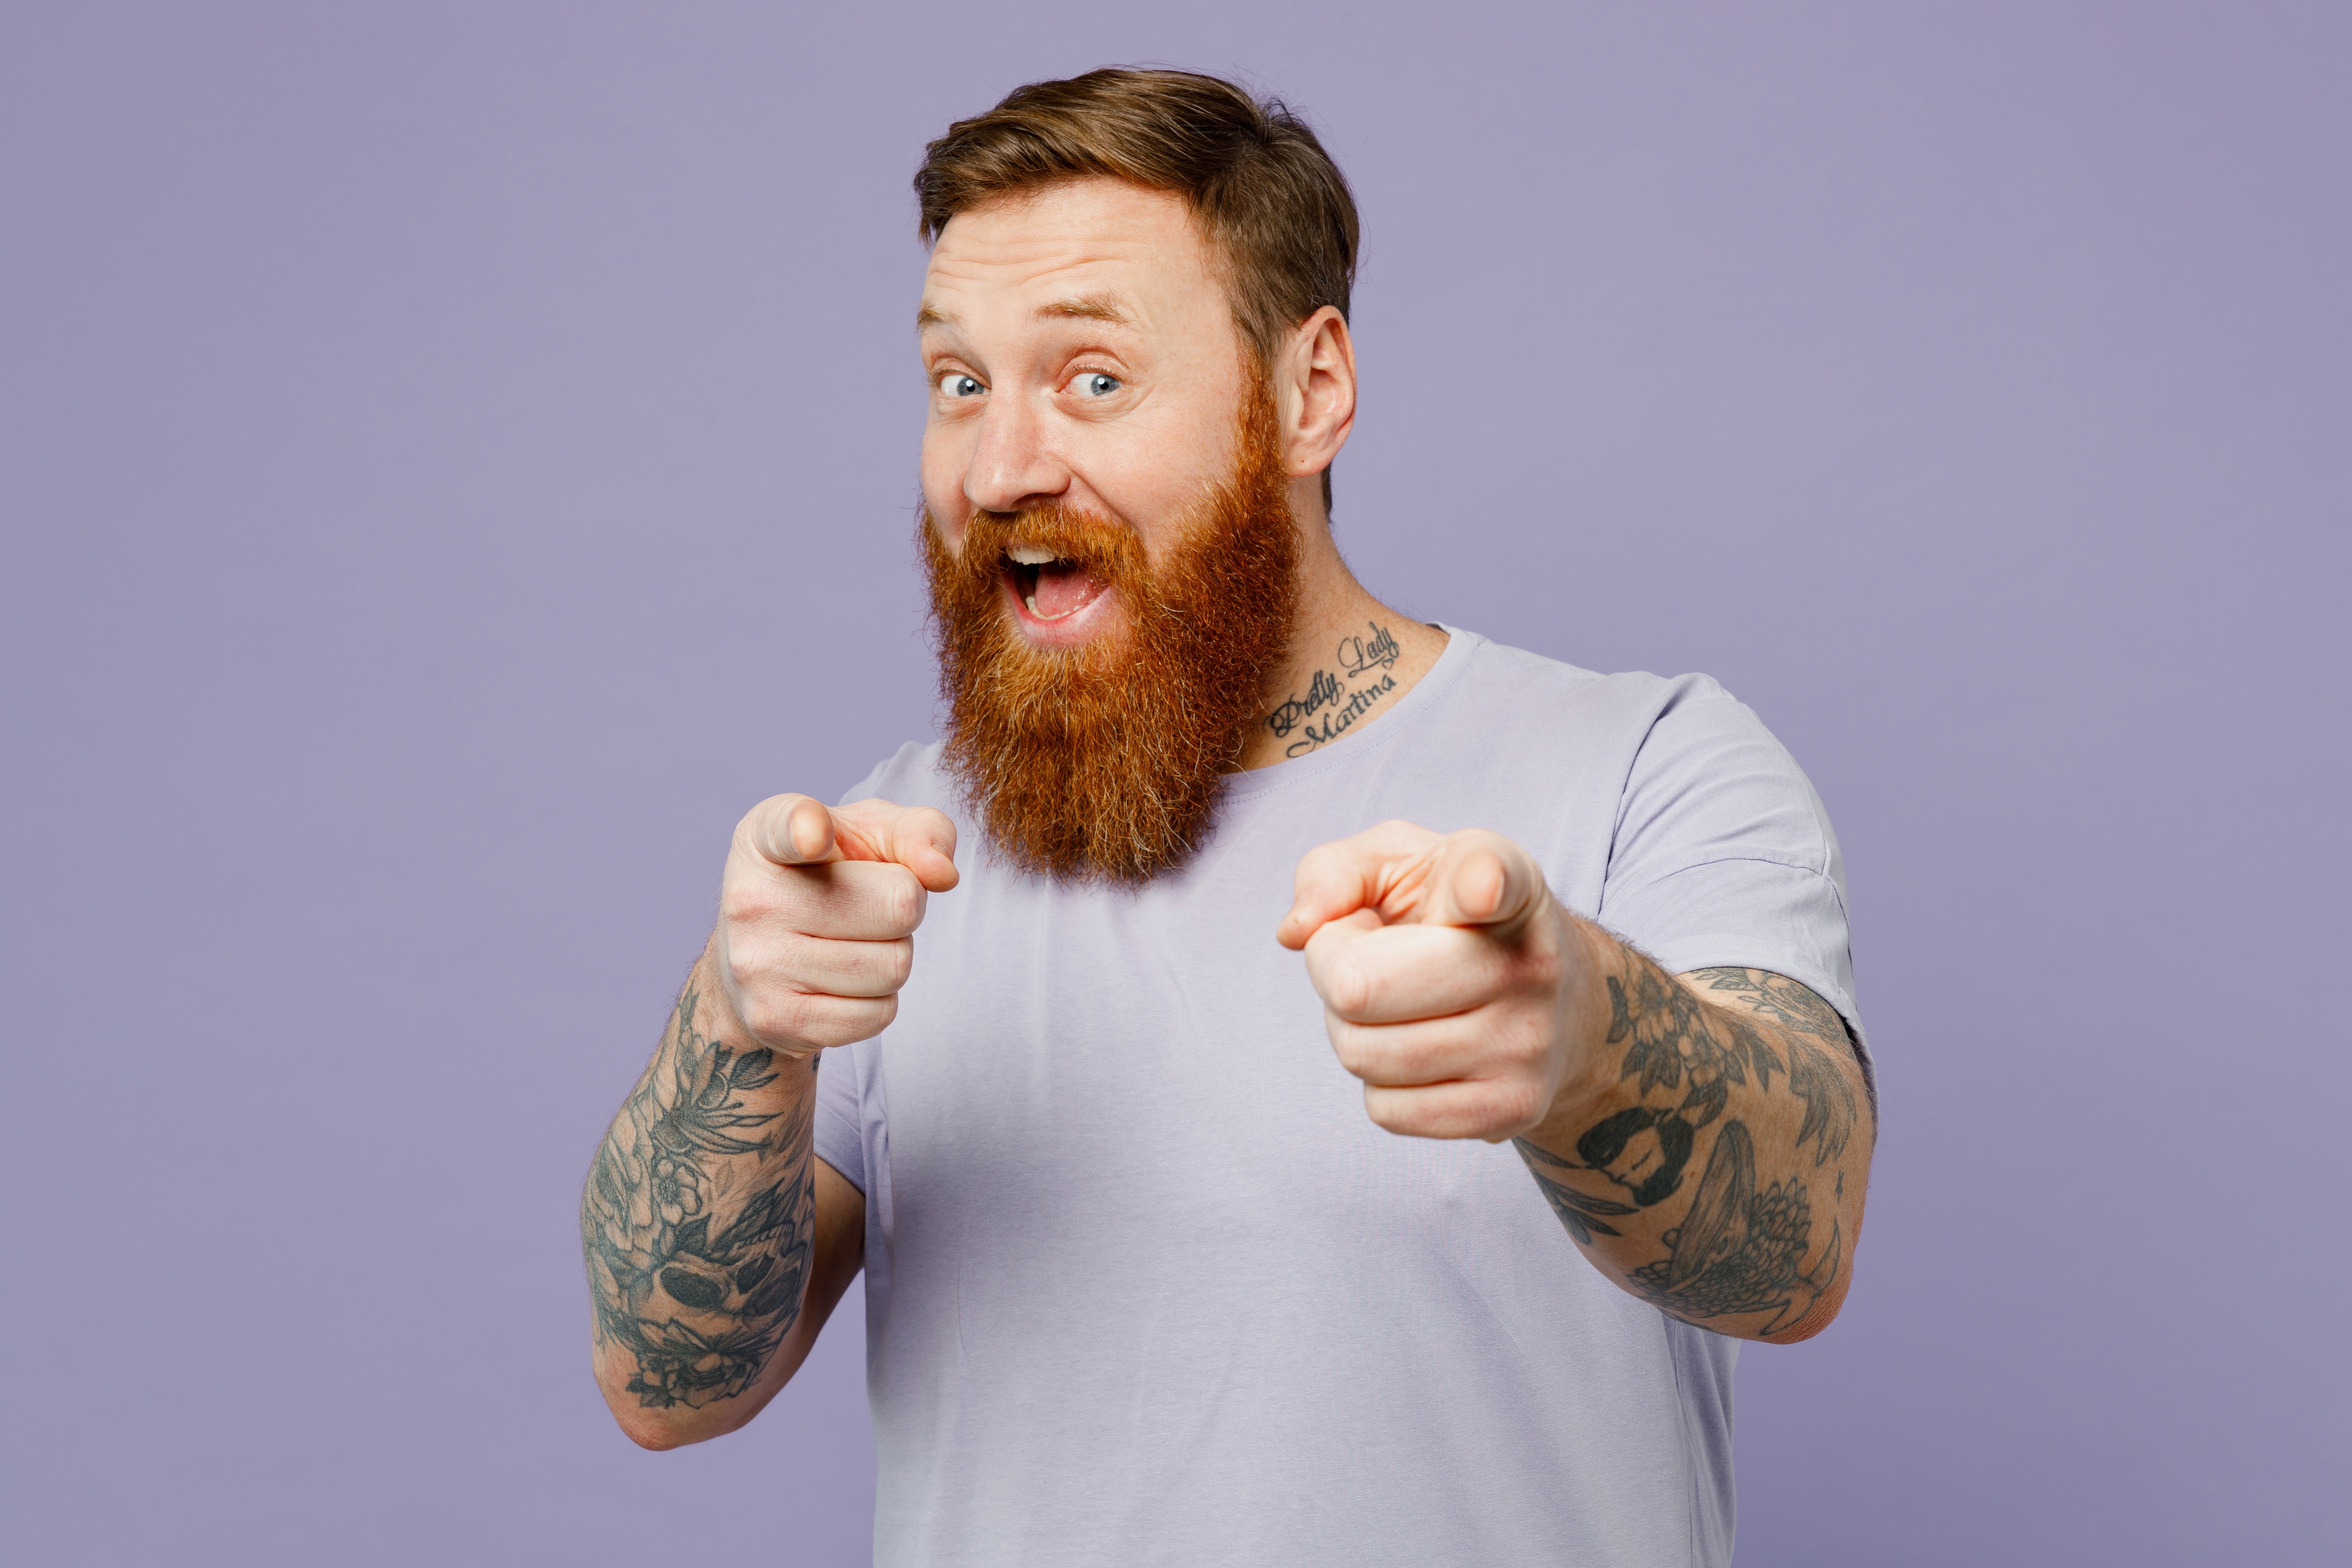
942 476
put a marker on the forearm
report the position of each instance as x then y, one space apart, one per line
1712 1157
698 1223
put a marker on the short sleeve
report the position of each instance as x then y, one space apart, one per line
840 1120
1724 856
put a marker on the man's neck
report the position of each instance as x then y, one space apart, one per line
1351 660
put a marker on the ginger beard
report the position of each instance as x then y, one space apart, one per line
1106 761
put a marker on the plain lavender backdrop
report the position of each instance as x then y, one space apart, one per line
457 457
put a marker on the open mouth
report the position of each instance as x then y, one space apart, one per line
1050 587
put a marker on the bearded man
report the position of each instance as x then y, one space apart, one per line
1150 1274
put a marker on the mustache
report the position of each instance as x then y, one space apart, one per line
1086 537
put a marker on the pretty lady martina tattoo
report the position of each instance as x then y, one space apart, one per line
697 1221
1368 666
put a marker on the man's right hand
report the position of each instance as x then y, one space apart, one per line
817 914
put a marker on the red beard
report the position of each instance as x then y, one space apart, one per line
1106 762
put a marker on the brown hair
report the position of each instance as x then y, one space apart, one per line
1272 203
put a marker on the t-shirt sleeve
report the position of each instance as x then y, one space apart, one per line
1724 856
840 1132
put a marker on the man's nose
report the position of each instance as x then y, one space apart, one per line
1012 469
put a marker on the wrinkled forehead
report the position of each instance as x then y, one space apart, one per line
1093 249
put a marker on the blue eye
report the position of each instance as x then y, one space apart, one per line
1094 384
955 383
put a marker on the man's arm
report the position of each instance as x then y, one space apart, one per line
716 1243
1705 1141
1714 1157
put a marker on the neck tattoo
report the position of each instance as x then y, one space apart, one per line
1363 674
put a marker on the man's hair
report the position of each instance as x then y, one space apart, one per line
1273 207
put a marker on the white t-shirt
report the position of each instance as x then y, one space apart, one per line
1144 1283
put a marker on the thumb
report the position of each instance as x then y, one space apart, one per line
791 830
1482 878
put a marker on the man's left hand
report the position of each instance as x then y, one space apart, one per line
1453 983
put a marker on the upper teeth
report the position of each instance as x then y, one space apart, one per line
1030 555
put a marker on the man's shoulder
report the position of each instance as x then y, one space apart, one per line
1622 735
1497 671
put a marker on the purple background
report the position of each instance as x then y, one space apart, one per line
457 457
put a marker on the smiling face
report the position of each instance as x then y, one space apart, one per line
1083 356
1112 556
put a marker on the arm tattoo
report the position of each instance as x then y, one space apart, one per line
1778 998
1370 664
1739 1250
1736 1249
1583 1215
698 1236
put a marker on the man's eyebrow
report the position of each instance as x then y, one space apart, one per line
1090 308
1082 307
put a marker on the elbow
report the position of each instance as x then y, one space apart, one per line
1833 1271
1817 1318
1803 1329
659 1427
660 1431
678 1426
648 1426
660 1437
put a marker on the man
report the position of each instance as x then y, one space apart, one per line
1148 1276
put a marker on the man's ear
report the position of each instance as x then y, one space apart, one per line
1316 391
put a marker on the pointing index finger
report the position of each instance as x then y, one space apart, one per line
799 830
1405 873
920 839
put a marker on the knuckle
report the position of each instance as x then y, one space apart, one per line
1350 988
1390 1111
739 963
840 1021
1526 1042
902 901
744 898
736 976
860 1020
779 1015
798 960
1510 1107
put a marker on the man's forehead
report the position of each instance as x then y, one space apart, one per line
1097 250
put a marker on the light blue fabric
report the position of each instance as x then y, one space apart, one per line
1144 1283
